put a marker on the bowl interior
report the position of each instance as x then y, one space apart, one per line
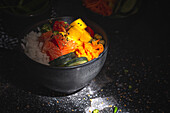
93 25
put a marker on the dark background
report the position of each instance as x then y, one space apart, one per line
138 57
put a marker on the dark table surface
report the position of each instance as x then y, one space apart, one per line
134 77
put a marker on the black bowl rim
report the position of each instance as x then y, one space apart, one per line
69 67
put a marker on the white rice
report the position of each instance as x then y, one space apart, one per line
32 48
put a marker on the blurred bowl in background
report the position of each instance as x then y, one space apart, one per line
19 14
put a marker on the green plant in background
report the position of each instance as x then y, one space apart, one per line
24 7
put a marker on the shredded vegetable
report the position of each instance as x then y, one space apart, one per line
103 7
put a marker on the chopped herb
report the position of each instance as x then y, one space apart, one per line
55 32
46 28
115 109
130 87
95 111
66 26
126 71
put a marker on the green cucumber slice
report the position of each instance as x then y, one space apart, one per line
62 60
128 6
117 6
77 61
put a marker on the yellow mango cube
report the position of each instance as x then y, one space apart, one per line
74 33
79 23
85 37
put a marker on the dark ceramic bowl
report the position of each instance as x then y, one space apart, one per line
63 79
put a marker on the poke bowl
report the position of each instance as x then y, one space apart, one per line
56 65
